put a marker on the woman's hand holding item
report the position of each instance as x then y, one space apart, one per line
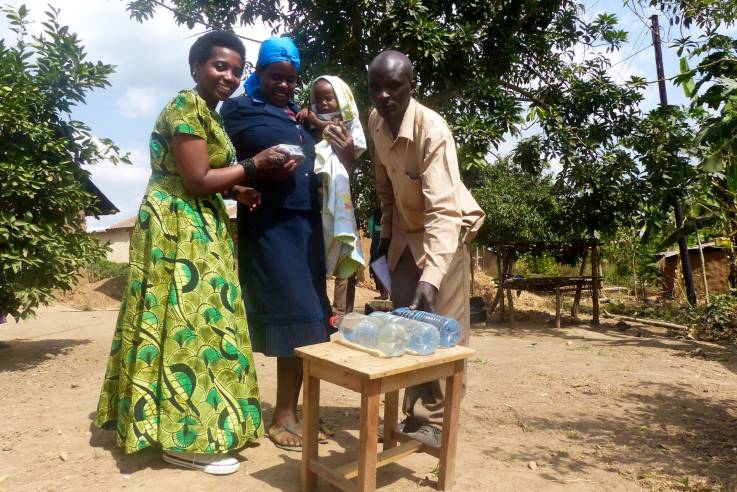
272 158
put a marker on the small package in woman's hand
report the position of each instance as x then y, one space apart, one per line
295 151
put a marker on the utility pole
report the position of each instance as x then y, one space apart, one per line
678 208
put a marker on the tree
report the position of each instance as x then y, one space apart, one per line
712 87
718 136
43 242
666 151
520 206
461 50
480 64
585 119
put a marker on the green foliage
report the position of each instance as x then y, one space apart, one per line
585 118
665 149
481 65
712 86
541 265
484 66
107 269
718 320
520 207
43 242
704 14
671 311
631 260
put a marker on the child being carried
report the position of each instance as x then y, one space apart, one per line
333 118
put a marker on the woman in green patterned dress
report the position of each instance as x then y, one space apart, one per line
180 374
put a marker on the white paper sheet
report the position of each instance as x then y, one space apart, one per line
381 270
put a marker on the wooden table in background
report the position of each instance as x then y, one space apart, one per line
371 376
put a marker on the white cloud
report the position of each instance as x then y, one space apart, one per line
123 184
139 102
107 174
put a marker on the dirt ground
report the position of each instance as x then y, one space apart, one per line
575 409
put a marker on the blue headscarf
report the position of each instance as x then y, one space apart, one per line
274 49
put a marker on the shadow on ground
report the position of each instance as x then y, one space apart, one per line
112 287
22 354
537 324
283 476
669 431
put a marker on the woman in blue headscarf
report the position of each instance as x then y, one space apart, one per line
281 257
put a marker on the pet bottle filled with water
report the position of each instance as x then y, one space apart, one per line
423 337
449 328
388 338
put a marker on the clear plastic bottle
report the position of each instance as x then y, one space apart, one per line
423 337
388 338
449 328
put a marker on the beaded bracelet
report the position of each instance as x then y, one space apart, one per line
249 166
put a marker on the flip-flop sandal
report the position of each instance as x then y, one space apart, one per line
290 429
296 429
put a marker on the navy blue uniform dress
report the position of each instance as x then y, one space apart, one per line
281 258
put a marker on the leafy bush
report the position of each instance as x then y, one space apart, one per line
43 241
672 311
718 320
543 265
107 269
519 206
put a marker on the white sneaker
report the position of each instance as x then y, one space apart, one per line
214 464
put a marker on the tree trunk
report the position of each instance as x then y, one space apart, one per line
494 303
577 298
503 263
502 278
473 272
731 255
595 288
703 268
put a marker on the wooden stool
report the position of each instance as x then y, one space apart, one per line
371 376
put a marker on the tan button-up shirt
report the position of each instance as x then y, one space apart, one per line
424 204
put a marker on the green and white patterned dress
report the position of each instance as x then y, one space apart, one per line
181 373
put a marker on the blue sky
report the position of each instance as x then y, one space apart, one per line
151 66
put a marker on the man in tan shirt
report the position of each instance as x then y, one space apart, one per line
427 216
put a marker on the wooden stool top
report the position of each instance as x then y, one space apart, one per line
367 366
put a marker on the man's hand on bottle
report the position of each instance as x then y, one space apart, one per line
424 298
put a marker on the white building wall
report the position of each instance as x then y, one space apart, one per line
119 242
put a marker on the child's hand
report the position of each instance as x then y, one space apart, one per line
303 114
249 197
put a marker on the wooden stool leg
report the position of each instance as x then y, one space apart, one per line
391 418
449 439
310 427
370 398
